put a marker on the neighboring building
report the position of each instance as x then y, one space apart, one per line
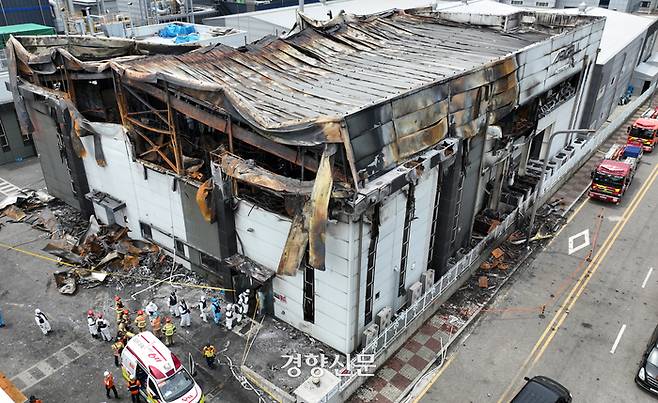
14 146
14 12
278 21
626 59
346 167
627 6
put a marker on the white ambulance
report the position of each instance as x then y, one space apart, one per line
163 377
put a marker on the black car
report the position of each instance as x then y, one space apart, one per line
541 389
647 376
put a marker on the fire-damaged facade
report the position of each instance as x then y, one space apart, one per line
341 168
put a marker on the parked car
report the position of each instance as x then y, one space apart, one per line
541 389
647 375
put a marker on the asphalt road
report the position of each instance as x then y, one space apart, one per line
579 341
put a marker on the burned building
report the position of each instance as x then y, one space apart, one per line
341 167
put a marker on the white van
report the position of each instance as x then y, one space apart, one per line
163 377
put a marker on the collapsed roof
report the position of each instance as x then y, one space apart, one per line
347 100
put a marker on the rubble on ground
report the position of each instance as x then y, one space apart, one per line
93 253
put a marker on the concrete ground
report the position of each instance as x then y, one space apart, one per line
579 340
68 365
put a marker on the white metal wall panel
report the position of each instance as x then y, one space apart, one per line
389 248
421 227
262 234
123 178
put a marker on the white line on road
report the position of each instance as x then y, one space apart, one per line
621 332
585 235
644 283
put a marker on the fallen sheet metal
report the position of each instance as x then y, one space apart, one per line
204 200
248 171
296 243
62 249
14 213
317 222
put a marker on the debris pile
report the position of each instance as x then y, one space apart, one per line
90 250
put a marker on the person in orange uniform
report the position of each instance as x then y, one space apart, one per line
35 400
118 307
108 380
140 321
156 325
133 387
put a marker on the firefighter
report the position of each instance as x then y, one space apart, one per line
230 316
117 348
133 387
118 307
122 328
42 321
125 316
184 314
169 329
34 400
203 308
108 380
103 328
156 325
173 304
91 324
140 321
210 354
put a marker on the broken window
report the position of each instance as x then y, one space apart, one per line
146 230
408 217
309 294
180 247
372 260
4 141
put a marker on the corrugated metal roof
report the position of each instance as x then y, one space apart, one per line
340 68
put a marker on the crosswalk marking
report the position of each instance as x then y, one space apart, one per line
8 188
28 378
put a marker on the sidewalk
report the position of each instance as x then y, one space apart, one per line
418 353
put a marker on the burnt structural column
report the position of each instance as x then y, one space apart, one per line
225 222
449 183
79 184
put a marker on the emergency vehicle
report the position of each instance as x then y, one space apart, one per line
161 374
645 132
614 174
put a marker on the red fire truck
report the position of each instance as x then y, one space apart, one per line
644 131
614 174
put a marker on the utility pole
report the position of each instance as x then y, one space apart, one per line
540 185
301 6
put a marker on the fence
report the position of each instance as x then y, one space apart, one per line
389 334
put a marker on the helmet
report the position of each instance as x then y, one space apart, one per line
168 319
203 298
229 307
100 315
125 312
90 312
106 373
247 291
37 311
117 298
140 312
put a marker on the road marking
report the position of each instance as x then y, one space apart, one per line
644 283
27 378
434 378
8 189
615 218
582 281
621 333
585 235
